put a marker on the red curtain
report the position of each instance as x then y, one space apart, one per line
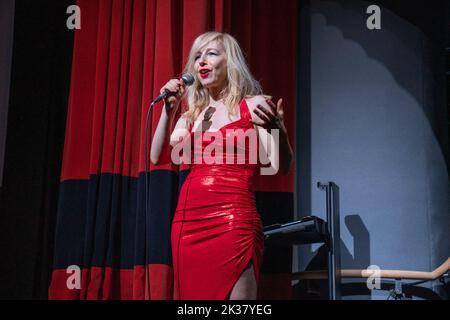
123 53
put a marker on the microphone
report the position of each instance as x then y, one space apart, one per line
187 78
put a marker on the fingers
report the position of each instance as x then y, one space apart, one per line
280 105
177 89
264 115
280 108
259 124
271 118
182 86
181 89
269 115
173 85
272 106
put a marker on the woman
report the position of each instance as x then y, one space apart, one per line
217 238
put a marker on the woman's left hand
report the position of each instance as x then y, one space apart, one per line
272 118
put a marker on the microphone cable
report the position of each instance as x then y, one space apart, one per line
146 197
188 80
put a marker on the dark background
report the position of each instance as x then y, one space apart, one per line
40 78
372 117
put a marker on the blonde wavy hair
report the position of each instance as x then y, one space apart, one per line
240 82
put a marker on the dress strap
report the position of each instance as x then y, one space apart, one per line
245 111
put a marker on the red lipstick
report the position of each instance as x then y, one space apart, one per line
204 72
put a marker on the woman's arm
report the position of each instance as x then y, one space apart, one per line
162 133
267 116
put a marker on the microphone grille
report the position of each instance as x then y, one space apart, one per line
188 78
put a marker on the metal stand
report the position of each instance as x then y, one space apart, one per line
333 241
312 229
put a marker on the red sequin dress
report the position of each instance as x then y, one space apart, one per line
216 229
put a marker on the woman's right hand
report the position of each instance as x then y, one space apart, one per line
178 87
